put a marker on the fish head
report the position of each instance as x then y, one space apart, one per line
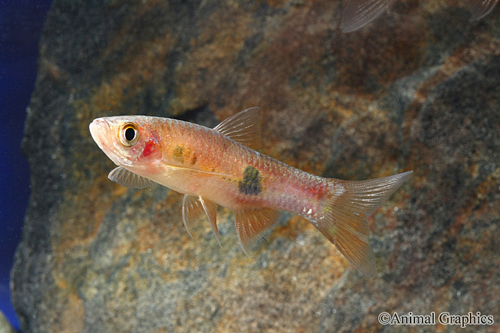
129 141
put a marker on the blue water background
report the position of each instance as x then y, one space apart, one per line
21 24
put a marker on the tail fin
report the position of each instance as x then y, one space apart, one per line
480 8
358 13
344 220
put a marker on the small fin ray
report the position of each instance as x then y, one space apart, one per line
129 179
251 224
243 127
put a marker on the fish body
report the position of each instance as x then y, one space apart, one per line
218 166
358 13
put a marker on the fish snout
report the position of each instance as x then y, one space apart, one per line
98 125
99 128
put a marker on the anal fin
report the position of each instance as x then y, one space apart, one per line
251 224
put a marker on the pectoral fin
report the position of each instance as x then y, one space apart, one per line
243 127
129 179
252 223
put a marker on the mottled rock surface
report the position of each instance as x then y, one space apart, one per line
5 326
417 89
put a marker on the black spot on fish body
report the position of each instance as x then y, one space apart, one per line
250 185
179 153
193 159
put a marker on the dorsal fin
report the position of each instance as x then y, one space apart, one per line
358 13
129 179
480 8
243 127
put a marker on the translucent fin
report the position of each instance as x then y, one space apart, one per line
344 221
210 209
243 127
358 13
480 8
129 179
252 223
191 211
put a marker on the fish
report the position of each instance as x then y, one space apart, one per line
219 167
358 13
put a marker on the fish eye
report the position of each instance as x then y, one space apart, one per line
129 135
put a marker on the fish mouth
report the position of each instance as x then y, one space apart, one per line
99 129
103 133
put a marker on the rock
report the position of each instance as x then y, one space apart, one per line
5 326
416 90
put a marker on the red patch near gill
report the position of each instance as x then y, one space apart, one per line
149 148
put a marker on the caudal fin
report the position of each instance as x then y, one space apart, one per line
358 13
480 8
343 220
